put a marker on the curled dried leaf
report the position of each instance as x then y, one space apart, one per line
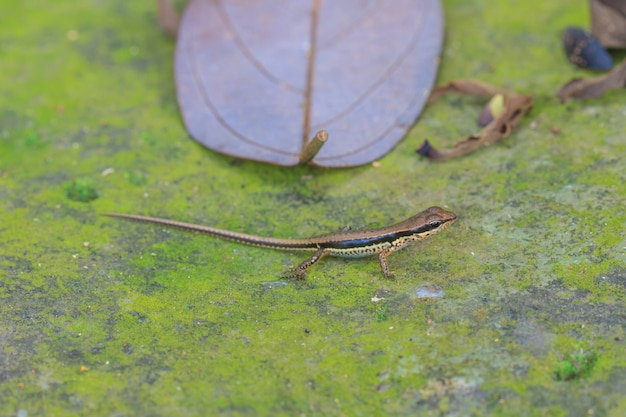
595 86
515 106
469 87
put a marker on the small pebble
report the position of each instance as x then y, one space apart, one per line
428 290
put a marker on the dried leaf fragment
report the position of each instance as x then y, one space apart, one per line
595 86
515 106
608 22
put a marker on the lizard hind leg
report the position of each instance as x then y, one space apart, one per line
382 260
300 271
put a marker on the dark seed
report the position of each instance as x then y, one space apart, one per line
491 110
584 49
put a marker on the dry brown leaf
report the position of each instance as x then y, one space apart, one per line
515 106
256 79
595 86
169 19
608 22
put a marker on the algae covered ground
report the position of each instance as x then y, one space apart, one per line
518 309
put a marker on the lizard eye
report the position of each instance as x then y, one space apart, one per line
435 223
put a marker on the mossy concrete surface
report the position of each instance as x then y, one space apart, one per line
102 317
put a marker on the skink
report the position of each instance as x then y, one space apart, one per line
381 241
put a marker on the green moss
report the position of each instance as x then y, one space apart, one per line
381 313
81 189
575 365
103 317
136 178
